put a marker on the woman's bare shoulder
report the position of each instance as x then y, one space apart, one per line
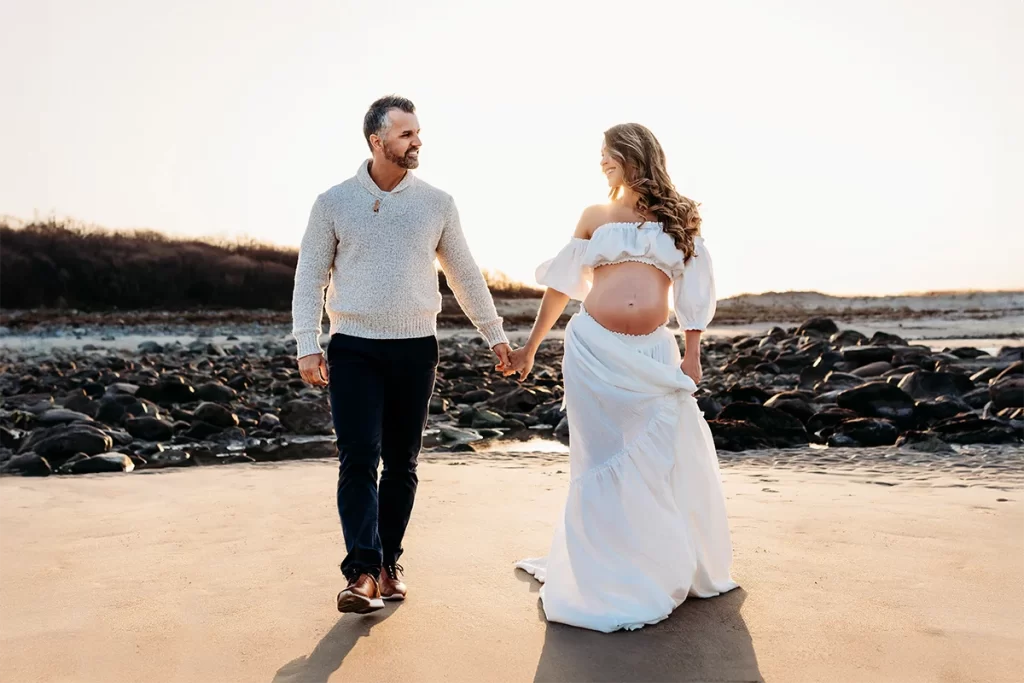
593 217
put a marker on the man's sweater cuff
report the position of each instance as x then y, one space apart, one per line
307 343
493 333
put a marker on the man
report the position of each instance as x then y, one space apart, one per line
372 241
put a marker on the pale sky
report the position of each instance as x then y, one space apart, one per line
846 147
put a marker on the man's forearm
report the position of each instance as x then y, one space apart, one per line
312 274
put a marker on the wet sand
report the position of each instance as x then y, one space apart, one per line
229 574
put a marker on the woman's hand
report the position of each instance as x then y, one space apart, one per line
521 361
691 367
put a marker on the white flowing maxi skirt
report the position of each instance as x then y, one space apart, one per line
644 524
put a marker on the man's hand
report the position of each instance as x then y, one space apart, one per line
691 367
313 369
502 351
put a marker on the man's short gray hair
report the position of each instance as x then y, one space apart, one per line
377 122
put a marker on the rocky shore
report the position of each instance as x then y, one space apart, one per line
70 411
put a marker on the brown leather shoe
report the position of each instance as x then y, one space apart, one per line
391 585
362 596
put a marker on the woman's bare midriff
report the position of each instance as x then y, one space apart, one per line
629 297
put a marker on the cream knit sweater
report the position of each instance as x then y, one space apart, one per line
374 252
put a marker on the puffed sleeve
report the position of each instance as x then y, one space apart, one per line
566 272
694 290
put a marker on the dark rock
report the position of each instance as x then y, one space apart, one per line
886 339
863 355
1007 392
66 468
1011 353
449 433
477 396
269 422
202 430
10 438
60 443
738 435
170 458
984 375
864 431
119 437
307 417
827 360
709 406
812 376
914 357
213 349
923 442
229 435
793 362
215 392
57 416
562 428
149 428
107 462
29 464
80 402
486 418
968 352
879 399
438 405
783 430
848 338
768 369
216 414
459 370
795 403
978 398
519 400
121 388
872 369
824 421
240 383
111 411
925 384
742 363
1015 369
820 326
942 408
745 344
968 429
742 394
838 381
170 390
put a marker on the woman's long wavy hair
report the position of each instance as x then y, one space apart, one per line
643 170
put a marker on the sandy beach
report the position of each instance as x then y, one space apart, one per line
229 574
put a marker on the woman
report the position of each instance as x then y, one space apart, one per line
644 523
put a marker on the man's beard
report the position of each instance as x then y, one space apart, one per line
405 161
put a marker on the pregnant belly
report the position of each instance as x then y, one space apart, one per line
629 297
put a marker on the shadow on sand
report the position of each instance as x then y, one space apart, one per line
329 653
703 640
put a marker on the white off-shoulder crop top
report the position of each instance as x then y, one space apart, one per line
571 271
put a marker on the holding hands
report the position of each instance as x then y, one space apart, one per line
521 361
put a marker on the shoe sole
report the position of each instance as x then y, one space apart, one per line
350 603
397 597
